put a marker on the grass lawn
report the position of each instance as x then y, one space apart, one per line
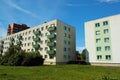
59 72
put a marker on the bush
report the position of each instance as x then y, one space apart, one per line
15 56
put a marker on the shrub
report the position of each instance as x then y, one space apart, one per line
15 56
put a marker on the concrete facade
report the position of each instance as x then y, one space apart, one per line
102 40
54 40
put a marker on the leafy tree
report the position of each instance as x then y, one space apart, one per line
83 55
15 56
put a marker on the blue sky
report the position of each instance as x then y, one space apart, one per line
73 12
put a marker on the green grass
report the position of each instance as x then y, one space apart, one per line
59 72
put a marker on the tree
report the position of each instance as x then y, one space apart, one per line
83 55
15 56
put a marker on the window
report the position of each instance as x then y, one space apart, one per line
32 43
29 32
108 57
98 40
46 48
68 42
26 33
28 44
97 32
105 23
46 27
42 28
64 56
25 44
32 50
37 29
65 28
46 34
106 31
69 29
106 39
97 25
42 35
51 56
99 57
46 41
98 48
64 49
45 56
107 48
41 42
29 38
41 49
25 38
32 36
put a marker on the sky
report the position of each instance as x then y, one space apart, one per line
73 12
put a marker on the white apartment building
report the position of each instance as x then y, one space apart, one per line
54 40
102 41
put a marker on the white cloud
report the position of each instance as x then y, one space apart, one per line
80 49
14 5
109 1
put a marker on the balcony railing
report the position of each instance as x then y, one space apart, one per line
19 37
52 28
36 39
51 36
51 44
37 32
18 42
36 46
11 39
51 52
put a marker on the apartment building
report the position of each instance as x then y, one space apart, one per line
102 41
14 28
54 40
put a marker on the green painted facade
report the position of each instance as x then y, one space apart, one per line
102 43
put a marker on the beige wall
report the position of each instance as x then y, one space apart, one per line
59 57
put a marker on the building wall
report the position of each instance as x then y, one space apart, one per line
14 28
111 52
60 55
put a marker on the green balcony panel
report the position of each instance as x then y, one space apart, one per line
51 36
37 32
36 39
11 39
36 46
51 44
51 52
52 28
18 42
19 37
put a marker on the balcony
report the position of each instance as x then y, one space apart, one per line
51 36
18 42
37 32
36 39
52 28
36 46
51 44
11 39
51 52
19 37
